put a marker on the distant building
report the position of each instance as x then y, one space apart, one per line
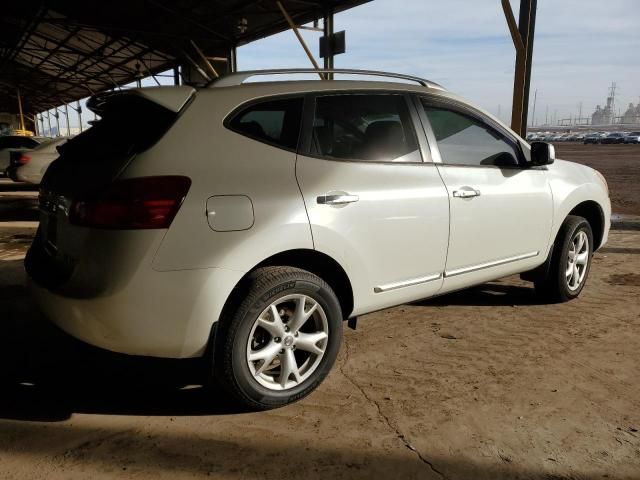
632 115
604 116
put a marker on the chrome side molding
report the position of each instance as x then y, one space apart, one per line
482 266
407 283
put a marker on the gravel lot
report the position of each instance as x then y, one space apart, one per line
481 384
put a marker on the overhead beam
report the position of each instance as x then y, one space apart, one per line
293 27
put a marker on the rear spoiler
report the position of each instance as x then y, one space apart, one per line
171 98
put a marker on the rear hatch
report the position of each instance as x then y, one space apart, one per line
130 123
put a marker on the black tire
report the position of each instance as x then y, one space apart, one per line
555 286
256 293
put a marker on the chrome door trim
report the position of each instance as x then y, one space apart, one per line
495 263
407 283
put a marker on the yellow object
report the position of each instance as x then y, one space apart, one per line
25 133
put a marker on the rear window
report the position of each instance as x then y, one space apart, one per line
129 124
276 122
17 142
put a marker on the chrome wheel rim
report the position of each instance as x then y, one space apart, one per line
578 260
287 342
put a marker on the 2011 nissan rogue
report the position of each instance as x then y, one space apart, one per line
253 218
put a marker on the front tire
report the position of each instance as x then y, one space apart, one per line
570 262
279 338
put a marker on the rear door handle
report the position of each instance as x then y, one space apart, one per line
337 199
466 192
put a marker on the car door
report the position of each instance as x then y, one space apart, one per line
501 210
373 203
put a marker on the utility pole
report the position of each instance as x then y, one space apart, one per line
535 99
580 112
546 116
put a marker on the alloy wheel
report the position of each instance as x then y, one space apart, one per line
287 342
578 260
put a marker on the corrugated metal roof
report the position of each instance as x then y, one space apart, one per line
58 51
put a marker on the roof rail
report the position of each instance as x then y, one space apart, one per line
238 78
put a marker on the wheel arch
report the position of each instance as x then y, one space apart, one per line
594 214
315 262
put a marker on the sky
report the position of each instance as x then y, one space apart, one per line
581 47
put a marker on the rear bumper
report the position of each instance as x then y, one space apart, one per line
158 314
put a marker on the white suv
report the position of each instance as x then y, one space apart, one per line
244 222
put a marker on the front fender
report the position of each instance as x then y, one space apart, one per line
573 184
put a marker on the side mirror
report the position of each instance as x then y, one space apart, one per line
542 153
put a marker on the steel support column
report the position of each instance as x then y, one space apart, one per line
328 32
79 110
232 64
527 27
522 36
176 75
66 116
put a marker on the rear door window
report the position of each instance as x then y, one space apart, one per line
276 122
367 127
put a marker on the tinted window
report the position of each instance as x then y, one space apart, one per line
464 140
276 122
364 127
128 124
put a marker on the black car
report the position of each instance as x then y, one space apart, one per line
591 138
613 138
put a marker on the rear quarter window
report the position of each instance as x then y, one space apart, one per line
274 121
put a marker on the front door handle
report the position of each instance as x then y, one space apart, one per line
466 192
337 199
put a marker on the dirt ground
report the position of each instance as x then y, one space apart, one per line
620 164
482 384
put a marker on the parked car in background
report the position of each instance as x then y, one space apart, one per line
29 166
633 137
615 137
322 201
579 137
10 143
591 138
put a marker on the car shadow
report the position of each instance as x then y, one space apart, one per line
487 295
6 185
19 209
45 375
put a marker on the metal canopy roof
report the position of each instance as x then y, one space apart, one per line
58 51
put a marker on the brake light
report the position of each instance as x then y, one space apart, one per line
24 159
136 203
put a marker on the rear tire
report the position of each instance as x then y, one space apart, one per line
278 338
570 262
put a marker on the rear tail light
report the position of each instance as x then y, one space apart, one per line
18 158
136 203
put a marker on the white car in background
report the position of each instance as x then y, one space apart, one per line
244 221
11 143
29 166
